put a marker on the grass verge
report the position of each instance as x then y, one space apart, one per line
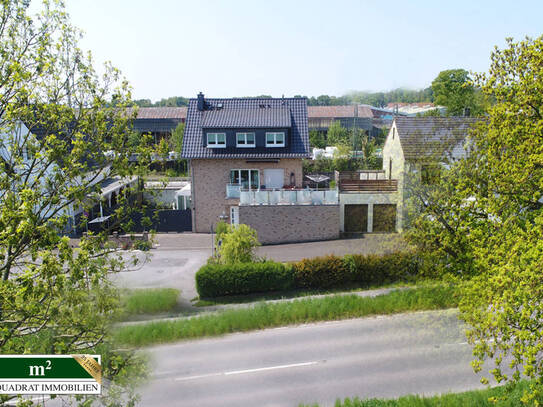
300 311
500 396
149 301
281 295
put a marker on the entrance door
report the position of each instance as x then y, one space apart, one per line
234 215
274 178
356 218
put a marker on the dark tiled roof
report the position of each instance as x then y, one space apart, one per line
261 117
423 137
298 146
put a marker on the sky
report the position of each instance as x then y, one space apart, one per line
288 47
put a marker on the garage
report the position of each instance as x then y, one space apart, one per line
356 218
384 218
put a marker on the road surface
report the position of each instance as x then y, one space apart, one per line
422 353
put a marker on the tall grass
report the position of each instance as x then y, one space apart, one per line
279 314
149 301
495 397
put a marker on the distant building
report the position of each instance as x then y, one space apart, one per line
369 118
160 122
413 109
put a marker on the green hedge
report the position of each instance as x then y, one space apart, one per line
333 271
215 280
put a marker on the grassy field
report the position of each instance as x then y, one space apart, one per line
493 397
149 301
300 311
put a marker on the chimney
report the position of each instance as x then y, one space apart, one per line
467 112
201 102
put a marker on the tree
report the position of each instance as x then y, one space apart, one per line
238 244
54 298
454 89
176 140
483 224
337 134
316 139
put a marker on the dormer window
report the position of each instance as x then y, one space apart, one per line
275 139
216 140
245 140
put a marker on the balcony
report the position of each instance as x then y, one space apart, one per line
288 197
365 181
233 191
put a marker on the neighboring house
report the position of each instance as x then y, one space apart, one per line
413 109
415 150
246 167
160 122
369 118
105 200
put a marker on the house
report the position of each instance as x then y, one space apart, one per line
415 150
369 118
245 157
159 122
413 109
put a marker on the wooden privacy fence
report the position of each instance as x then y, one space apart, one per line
365 181
369 185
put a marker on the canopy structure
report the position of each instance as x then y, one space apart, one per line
318 178
100 219
185 191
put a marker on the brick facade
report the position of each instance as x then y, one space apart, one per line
209 179
292 223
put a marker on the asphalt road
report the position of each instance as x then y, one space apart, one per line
422 353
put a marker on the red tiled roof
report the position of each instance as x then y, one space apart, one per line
162 113
330 111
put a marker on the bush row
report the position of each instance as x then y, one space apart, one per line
215 280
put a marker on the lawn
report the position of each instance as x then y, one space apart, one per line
493 397
149 301
300 311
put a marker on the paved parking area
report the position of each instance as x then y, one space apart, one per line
177 258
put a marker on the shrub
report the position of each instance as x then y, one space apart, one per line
215 280
321 272
379 269
333 271
238 244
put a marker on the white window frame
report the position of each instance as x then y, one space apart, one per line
250 177
215 142
245 145
275 134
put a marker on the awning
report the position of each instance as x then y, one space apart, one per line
100 219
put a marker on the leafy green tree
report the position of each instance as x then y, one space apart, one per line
176 140
238 244
337 134
483 224
454 89
316 139
54 298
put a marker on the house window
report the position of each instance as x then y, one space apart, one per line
216 140
275 139
247 179
430 174
245 139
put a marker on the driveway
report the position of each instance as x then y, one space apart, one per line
177 258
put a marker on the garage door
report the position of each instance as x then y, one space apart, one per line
356 218
384 218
